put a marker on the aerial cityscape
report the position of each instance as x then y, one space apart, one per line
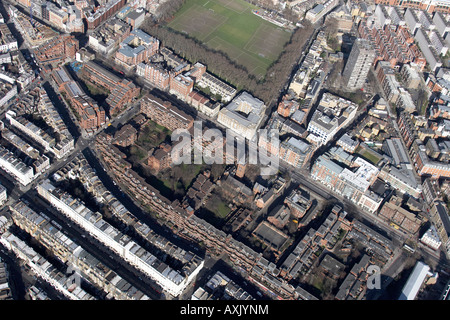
231 150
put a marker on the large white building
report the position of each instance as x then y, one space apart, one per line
428 49
172 281
7 92
243 115
7 41
358 64
320 10
353 185
3 195
217 86
431 238
15 167
415 281
43 268
332 114
441 24
31 130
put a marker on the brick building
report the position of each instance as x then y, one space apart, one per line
427 167
90 115
181 85
121 95
295 152
399 217
165 114
279 217
155 74
287 107
160 159
429 6
298 202
57 50
407 128
136 48
394 44
126 136
203 104
197 72
97 15
121 91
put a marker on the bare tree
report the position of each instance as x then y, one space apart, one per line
225 68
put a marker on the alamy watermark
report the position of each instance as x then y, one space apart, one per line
74 277
374 277
212 147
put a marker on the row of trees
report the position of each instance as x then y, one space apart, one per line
167 9
193 50
281 69
223 67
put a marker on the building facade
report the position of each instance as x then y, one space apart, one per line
243 115
358 64
165 114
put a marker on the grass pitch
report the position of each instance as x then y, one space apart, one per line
231 27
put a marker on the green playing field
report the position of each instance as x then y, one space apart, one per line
231 26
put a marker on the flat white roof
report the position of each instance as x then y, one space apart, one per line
415 281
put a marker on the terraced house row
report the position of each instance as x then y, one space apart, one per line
50 235
80 169
121 92
172 281
183 223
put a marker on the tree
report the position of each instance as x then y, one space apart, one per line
221 65
288 14
167 9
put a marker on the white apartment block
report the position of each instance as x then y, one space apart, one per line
169 279
42 268
31 130
429 51
405 101
382 16
243 115
3 195
438 42
412 20
358 64
40 161
15 167
5 58
442 26
431 238
332 114
7 92
217 86
7 41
